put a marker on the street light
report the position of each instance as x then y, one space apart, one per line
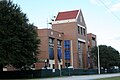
45 64
98 61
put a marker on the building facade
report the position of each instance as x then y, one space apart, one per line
66 44
51 49
72 24
92 42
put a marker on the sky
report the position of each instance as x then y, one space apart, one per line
102 17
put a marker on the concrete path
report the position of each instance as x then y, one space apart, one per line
83 77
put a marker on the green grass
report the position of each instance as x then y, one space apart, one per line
111 78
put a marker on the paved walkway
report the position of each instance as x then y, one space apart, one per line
83 77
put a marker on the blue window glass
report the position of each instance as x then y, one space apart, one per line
67 49
79 44
51 53
59 54
88 60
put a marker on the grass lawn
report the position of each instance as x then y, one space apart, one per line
111 78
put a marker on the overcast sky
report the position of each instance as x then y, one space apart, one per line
102 17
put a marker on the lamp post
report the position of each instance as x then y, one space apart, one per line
45 64
98 61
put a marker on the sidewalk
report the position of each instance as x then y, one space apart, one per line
83 77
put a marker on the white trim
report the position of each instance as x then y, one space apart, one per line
51 61
81 26
59 35
71 54
4 69
59 66
82 40
51 32
53 70
64 21
77 14
60 62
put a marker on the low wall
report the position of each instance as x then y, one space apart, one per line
44 73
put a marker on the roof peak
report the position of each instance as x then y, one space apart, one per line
71 10
65 15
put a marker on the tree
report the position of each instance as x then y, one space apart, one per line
18 38
108 56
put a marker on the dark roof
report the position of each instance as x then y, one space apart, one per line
67 15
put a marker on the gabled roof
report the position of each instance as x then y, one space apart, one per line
67 15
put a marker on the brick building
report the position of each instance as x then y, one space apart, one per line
51 49
66 44
91 43
72 24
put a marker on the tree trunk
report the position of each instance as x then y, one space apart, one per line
1 67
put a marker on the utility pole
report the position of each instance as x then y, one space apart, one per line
98 61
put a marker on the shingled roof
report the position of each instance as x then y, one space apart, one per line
67 15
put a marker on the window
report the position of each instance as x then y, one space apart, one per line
79 46
59 43
59 50
59 53
51 53
67 42
93 42
51 40
78 30
51 48
93 38
67 49
81 30
84 32
80 52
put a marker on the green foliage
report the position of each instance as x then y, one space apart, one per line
18 38
108 56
